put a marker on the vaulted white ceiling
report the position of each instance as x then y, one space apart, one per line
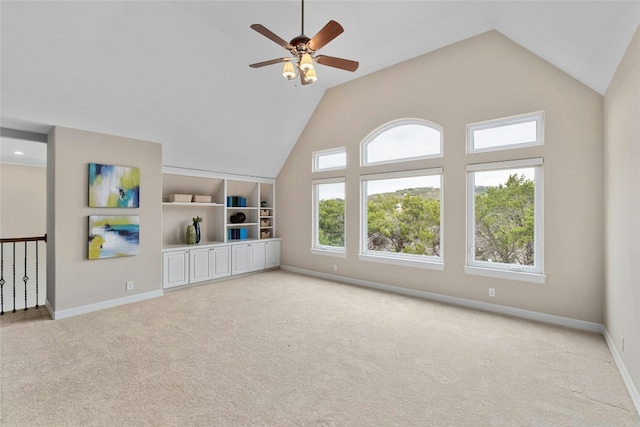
177 72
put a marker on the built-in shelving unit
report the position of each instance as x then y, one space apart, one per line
255 197
226 248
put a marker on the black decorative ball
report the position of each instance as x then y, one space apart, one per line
237 218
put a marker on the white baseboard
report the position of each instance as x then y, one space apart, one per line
76 311
494 308
50 309
628 382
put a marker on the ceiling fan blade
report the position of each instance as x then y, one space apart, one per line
332 61
270 62
271 36
325 35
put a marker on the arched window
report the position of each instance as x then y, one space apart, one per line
402 140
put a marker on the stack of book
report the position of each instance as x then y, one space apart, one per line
236 202
237 234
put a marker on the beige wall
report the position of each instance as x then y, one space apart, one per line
76 281
482 78
23 202
622 209
23 213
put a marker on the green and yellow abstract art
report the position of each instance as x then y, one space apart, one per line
113 236
113 186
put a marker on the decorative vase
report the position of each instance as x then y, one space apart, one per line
190 236
196 225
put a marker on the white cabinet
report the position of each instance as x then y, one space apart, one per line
247 257
239 259
220 259
175 266
200 265
256 256
272 254
184 266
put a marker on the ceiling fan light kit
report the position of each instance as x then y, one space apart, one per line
289 72
303 50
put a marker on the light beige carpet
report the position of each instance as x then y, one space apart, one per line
278 348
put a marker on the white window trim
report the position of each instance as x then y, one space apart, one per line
316 159
410 260
533 273
395 123
538 117
317 249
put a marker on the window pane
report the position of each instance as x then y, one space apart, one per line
403 215
504 214
519 133
332 160
330 214
403 142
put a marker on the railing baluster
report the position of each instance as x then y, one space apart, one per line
2 279
37 297
25 278
14 277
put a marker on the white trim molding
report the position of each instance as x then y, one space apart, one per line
626 378
493 308
83 309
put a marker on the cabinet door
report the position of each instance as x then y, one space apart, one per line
200 269
272 254
175 269
239 259
256 251
220 261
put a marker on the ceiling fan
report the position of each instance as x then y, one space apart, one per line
303 50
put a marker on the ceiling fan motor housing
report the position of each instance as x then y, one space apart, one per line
300 45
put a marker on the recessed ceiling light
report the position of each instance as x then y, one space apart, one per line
19 153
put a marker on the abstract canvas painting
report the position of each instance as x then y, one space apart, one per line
113 236
113 186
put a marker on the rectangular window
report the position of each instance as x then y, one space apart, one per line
402 218
329 217
333 159
504 220
501 134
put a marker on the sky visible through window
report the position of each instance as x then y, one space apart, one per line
402 142
331 191
519 133
332 160
494 178
381 186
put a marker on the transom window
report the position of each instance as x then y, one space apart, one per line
402 140
510 132
333 159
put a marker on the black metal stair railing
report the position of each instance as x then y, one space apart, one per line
25 277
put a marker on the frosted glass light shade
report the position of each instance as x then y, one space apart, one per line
288 71
306 63
310 76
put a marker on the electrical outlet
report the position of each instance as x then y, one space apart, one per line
492 292
129 286
335 267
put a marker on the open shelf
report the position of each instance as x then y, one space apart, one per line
256 193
